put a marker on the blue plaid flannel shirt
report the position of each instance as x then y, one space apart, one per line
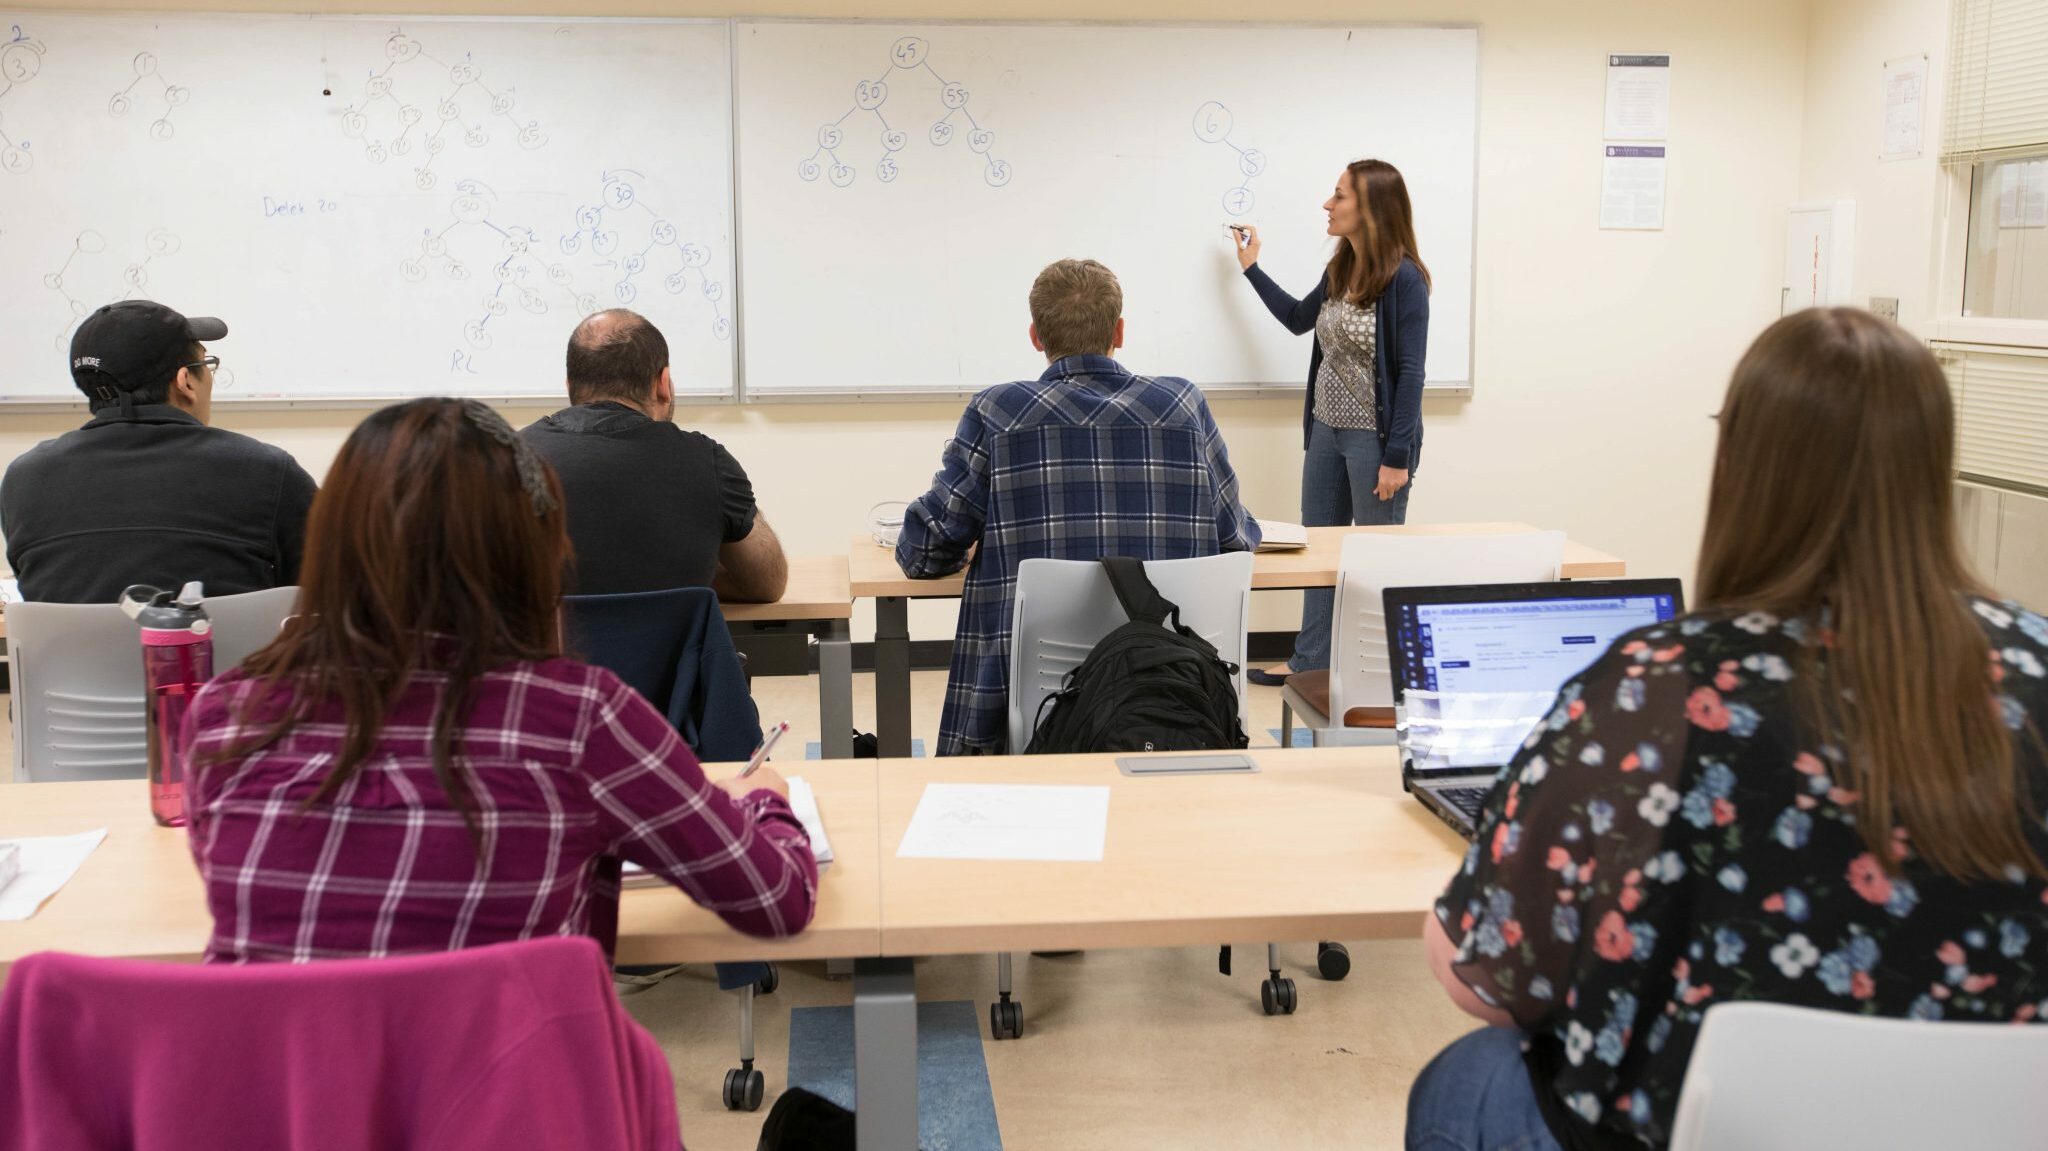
1086 461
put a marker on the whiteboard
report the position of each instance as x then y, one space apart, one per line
901 184
378 207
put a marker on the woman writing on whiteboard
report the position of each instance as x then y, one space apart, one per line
1362 421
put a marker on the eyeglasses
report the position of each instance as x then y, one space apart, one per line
210 363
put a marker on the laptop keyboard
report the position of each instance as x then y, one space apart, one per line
1465 799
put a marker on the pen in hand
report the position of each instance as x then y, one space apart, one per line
760 755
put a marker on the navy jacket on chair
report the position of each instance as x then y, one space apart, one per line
673 648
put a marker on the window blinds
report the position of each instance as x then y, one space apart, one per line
1998 80
2001 399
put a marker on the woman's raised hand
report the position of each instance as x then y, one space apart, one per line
1247 243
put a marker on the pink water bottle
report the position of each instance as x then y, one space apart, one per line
177 660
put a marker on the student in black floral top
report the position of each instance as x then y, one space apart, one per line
1824 789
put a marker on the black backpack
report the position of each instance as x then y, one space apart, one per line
1145 686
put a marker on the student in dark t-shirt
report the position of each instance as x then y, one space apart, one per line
651 505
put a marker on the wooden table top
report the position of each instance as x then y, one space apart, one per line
874 571
1319 844
138 895
818 589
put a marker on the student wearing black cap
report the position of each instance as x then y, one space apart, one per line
146 492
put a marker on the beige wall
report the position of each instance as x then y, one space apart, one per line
1599 355
1897 221
1848 43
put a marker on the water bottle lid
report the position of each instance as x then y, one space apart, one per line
157 610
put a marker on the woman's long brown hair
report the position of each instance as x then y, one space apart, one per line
424 553
1382 197
1832 495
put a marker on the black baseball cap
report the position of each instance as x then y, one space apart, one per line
133 344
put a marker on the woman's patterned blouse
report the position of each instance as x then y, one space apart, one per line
1672 837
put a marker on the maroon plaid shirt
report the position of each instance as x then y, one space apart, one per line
567 764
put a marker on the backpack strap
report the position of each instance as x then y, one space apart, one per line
1141 601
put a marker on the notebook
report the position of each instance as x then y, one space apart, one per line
1281 536
802 800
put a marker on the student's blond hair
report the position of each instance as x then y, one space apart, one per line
1075 305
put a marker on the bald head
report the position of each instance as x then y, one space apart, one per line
616 355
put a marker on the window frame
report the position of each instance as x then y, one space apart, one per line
1948 324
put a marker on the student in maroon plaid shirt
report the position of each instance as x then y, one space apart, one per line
414 766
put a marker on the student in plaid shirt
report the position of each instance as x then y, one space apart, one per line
1086 461
414 766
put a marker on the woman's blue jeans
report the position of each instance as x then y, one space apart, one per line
1476 1096
1337 479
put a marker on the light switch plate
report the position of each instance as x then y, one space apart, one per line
1886 307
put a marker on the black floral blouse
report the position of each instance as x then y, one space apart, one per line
1668 839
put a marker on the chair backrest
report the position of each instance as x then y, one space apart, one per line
246 621
1766 1077
1371 562
1063 607
78 710
510 1045
77 671
643 637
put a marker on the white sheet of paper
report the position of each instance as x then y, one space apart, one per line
804 802
1905 99
1638 97
47 864
1632 187
1008 821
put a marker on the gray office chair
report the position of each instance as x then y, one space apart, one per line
242 623
1771 1075
1353 701
78 708
1062 609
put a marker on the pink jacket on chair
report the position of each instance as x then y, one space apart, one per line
514 1045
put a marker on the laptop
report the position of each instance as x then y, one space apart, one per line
1475 668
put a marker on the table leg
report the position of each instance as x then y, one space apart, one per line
892 675
835 692
885 1054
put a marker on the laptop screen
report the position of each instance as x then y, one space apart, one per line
1515 645
1478 666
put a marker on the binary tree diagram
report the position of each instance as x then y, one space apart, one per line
83 276
521 276
171 95
604 234
508 250
390 123
907 56
1213 122
21 60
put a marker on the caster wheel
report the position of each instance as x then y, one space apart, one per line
1277 996
767 984
743 1089
1006 1019
1333 960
